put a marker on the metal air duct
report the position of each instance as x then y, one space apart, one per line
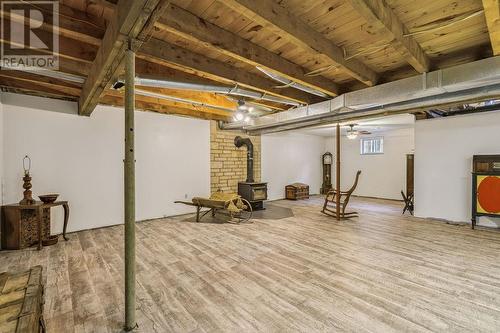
469 82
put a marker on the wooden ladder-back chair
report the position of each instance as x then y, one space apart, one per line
330 206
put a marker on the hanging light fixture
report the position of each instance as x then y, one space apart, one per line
351 133
238 115
243 112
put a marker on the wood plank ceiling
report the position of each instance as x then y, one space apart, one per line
331 46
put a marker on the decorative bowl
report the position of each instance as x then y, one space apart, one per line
48 198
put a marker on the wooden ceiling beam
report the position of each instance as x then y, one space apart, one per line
182 23
134 20
492 14
162 101
196 96
68 48
272 15
69 63
171 55
155 70
39 86
380 15
72 24
103 3
36 93
28 84
152 104
71 88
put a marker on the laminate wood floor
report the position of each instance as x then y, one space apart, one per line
381 272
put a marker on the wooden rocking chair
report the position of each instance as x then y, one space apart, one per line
330 206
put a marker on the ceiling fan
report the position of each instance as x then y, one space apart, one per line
353 134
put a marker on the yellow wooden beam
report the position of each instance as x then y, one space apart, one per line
132 20
379 14
492 14
161 106
272 15
166 54
182 23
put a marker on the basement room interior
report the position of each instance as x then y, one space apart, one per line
250 166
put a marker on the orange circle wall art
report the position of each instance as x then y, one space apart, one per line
488 194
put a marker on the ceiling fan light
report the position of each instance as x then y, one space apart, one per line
351 135
239 116
247 119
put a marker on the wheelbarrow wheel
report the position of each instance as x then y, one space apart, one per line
244 215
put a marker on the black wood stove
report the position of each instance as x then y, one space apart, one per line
250 190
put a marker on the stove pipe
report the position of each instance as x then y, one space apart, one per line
238 142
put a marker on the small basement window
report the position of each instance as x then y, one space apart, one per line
371 146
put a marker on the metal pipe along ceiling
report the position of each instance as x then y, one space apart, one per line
213 89
468 82
293 84
180 100
236 91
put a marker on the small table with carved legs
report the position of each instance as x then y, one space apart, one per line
26 225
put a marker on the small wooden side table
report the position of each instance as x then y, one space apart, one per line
25 225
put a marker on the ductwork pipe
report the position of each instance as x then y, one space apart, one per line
213 89
469 82
392 109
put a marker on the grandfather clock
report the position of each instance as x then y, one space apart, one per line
327 172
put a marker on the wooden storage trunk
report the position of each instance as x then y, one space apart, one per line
21 297
297 191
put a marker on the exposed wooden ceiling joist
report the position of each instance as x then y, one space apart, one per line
270 14
39 92
492 14
70 88
36 85
103 3
68 48
157 71
69 63
72 24
181 22
195 96
170 55
381 16
29 83
133 20
167 102
156 105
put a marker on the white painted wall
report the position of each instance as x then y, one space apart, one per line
443 163
291 157
82 159
382 176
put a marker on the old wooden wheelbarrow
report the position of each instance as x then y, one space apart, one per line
238 209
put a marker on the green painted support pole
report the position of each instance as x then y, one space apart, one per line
337 198
129 182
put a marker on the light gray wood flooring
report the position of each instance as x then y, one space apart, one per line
381 272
